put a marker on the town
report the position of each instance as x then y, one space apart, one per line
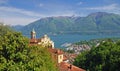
63 59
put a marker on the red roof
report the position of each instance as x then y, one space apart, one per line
55 51
64 58
33 41
63 66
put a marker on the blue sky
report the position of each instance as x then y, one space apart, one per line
22 12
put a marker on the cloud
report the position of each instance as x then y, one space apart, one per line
79 3
108 7
19 11
15 16
66 13
18 20
112 8
3 1
41 5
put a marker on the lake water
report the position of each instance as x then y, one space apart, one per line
69 38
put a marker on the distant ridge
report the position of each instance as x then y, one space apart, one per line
95 23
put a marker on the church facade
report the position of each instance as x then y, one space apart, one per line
44 41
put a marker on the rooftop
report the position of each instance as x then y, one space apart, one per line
63 66
56 51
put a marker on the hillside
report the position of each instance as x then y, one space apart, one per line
99 22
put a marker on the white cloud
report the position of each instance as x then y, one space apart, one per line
18 20
79 3
41 5
19 11
65 13
3 1
113 8
15 16
108 7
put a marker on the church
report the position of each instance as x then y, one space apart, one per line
57 54
44 41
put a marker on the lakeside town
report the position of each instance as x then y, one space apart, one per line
59 35
65 59
29 53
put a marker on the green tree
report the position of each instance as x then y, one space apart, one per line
4 29
105 57
17 55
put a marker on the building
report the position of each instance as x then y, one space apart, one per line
57 54
44 41
63 66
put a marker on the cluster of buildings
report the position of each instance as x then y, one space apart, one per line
78 48
58 55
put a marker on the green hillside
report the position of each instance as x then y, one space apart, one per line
99 22
17 55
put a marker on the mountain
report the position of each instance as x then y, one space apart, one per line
99 22
17 27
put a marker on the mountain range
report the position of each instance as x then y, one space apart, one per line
94 23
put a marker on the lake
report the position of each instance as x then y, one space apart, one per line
71 38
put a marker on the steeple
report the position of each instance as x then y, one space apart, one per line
33 34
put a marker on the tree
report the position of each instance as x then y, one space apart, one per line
4 29
105 57
17 55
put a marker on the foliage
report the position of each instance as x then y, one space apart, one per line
17 55
105 57
4 29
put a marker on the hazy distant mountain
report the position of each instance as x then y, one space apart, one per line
17 27
99 22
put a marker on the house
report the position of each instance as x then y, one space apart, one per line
63 66
57 54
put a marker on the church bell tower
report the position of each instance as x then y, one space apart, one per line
33 34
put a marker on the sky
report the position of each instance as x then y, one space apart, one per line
23 12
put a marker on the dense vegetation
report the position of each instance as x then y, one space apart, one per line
17 55
4 29
105 57
94 23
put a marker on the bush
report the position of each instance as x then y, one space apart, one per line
105 57
17 55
